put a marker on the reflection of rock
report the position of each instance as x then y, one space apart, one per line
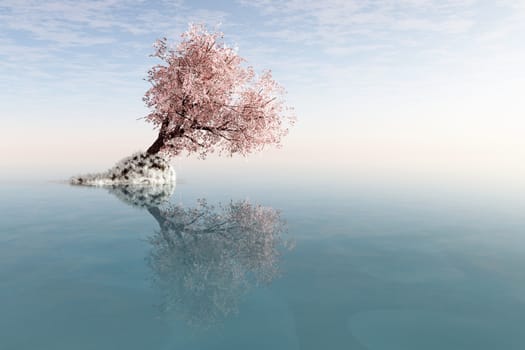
138 169
205 259
143 196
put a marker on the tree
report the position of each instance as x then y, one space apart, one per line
203 99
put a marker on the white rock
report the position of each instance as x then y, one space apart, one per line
137 169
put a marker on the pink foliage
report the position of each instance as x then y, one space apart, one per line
203 99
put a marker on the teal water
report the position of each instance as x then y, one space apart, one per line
235 266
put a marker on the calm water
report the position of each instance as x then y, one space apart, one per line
229 265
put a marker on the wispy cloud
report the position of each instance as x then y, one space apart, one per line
63 23
85 22
69 45
348 36
87 43
337 20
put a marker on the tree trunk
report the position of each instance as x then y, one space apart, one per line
157 145
163 137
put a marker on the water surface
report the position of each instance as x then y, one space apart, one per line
230 265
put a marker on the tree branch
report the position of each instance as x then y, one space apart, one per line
193 140
214 131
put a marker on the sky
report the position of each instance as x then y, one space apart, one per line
407 89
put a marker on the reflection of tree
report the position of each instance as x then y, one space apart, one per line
204 259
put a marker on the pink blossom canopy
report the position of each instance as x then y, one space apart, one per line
203 99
